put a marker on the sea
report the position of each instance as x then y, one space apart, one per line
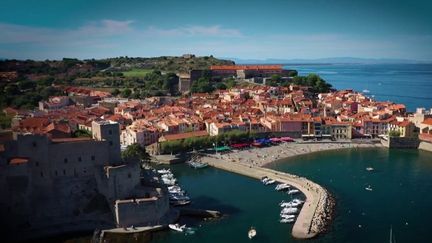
409 84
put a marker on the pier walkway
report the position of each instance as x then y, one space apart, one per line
312 218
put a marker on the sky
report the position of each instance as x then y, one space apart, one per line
246 29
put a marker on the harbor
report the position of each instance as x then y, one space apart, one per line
315 213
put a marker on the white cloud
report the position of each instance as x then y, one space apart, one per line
14 34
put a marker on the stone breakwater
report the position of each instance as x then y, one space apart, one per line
316 211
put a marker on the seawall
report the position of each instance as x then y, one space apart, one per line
314 215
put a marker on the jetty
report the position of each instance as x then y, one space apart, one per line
315 213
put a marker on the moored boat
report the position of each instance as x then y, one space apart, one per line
177 227
282 186
286 220
252 233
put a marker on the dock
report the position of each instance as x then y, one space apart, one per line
313 216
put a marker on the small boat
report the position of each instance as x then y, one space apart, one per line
177 227
370 169
164 171
252 233
269 182
284 221
289 210
281 187
169 182
290 204
180 202
197 165
265 179
288 216
366 91
369 188
293 191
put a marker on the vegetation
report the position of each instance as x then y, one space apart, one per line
137 73
80 133
25 93
205 85
394 133
135 151
5 121
178 146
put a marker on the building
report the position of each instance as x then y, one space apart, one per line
52 186
249 71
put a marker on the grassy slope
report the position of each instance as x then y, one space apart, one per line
139 73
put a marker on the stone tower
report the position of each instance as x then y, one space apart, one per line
108 131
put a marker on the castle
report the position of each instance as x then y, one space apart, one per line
57 185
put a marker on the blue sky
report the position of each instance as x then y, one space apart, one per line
52 29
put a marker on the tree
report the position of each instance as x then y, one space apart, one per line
394 133
126 93
115 92
81 133
135 151
276 78
202 85
230 82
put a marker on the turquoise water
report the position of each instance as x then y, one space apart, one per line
401 198
246 202
410 84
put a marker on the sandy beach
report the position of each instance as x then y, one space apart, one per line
263 156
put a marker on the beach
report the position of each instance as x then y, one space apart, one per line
265 155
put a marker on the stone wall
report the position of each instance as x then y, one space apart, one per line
400 142
425 146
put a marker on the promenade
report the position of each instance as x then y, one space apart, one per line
313 216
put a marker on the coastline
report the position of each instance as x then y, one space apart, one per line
264 156
317 213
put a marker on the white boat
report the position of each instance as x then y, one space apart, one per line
290 204
282 186
296 200
289 210
177 197
366 91
177 227
293 191
369 188
197 165
370 169
168 176
265 179
180 202
164 171
284 221
269 182
169 182
287 216
252 233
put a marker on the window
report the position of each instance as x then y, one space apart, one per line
64 172
56 173
110 143
41 174
65 160
79 159
37 164
34 144
92 157
129 175
110 132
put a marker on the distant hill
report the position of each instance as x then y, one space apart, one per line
166 63
71 67
330 60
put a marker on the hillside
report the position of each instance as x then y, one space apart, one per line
165 63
